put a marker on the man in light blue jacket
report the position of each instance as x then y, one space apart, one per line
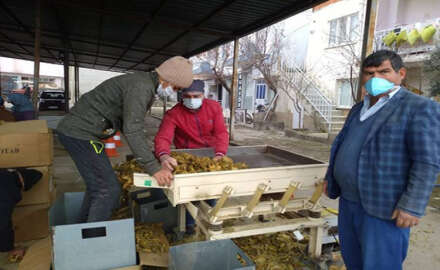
383 166
23 108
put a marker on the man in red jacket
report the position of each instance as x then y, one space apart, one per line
194 123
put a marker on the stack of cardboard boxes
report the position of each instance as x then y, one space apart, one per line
29 144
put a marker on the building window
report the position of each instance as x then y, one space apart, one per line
345 98
261 89
343 30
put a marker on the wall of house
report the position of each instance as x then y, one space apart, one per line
393 13
283 110
12 65
328 63
90 78
297 32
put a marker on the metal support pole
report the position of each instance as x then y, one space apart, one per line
233 94
367 42
76 83
66 79
37 55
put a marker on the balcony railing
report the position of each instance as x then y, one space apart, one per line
405 48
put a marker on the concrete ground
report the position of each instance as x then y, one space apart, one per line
423 252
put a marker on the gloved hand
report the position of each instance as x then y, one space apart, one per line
168 162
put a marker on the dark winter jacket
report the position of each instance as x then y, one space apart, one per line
119 103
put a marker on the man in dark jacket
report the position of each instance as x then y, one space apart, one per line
12 182
119 103
194 123
383 166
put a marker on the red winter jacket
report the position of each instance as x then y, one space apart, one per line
193 129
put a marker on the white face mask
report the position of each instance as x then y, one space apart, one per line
164 92
192 103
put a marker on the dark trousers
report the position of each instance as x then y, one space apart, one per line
6 229
370 243
24 116
103 188
10 195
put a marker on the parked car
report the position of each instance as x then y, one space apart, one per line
52 100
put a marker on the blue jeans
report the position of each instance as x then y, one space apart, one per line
370 243
103 188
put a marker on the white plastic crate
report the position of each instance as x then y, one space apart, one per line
209 255
91 246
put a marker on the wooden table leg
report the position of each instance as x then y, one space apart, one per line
182 217
315 241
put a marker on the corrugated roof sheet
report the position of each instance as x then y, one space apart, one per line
133 34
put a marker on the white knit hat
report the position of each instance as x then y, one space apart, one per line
177 70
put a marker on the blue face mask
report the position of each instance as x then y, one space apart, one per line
376 86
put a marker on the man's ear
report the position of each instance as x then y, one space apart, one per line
402 73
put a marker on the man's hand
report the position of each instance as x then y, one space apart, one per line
404 220
217 158
164 177
168 162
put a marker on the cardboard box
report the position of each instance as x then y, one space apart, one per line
25 144
38 256
41 192
31 222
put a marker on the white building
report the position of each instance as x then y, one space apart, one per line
326 44
322 46
335 46
397 16
17 73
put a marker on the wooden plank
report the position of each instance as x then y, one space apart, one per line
279 225
263 208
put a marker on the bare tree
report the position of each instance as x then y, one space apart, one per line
219 58
262 50
432 69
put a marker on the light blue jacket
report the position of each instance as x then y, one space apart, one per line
21 103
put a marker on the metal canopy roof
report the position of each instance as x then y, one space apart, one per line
133 34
